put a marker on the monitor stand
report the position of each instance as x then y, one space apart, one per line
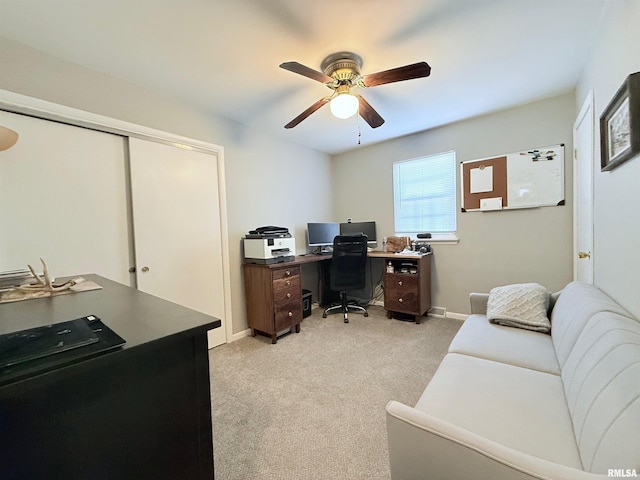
324 250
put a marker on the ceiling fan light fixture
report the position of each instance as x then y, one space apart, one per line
344 105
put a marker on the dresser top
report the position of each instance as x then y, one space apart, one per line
136 316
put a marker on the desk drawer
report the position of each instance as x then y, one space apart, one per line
284 273
287 293
401 293
286 286
288 314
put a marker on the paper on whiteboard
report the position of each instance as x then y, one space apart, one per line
491 203
481 179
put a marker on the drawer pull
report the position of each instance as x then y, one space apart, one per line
287 273
288 283
290 314
400 282
288 295
400 300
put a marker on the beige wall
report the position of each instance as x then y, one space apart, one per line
616 193
495 248
268 181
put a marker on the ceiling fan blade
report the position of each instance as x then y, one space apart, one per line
408 72
300 69
306 113
367 112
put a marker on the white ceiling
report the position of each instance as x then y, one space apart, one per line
223 55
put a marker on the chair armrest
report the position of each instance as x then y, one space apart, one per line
423 446
478 302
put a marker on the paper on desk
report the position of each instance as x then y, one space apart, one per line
481 179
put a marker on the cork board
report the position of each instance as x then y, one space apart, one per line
527 179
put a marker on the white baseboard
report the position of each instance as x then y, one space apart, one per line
239 335
457 316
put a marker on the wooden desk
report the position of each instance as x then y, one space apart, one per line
142 411
274 292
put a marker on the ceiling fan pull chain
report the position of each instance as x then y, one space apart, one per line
358 120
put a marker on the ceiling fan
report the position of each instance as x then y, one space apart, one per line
341 74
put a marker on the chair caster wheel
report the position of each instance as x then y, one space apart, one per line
366 314
346 320
324 315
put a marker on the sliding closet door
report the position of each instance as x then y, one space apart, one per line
176 217
63 198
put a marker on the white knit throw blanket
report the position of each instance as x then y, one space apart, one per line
521 305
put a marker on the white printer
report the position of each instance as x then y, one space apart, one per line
269 245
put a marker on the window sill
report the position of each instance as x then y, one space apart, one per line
439 238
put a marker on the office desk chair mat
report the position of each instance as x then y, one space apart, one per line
27 351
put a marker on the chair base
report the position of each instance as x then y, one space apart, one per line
345 308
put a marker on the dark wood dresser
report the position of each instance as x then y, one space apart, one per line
141 411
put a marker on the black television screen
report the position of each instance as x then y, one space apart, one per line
322 234
367 228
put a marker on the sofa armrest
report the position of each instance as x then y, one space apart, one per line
478 302
423 446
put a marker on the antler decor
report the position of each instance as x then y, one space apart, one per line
45 285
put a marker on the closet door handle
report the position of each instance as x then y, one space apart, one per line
145 269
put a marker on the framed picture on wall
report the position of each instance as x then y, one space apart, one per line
620 125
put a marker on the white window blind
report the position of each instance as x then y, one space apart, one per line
424 194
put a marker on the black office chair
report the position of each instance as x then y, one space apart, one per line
347 272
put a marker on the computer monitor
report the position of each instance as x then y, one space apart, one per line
322 234
367 228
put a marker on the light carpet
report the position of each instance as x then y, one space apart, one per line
313 405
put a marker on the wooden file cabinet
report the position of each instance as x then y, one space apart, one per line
274 298
408 289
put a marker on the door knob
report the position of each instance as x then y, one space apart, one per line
145 269
584 254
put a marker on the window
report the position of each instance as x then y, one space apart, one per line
424 196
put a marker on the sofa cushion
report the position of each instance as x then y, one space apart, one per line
577 303
602 383
522 348
519 407
521 305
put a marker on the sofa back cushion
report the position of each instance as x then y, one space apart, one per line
601 378
576 304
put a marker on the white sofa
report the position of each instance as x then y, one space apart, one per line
513 404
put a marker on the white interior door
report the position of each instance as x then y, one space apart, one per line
176 218
583 193
63 198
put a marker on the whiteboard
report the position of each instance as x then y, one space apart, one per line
525 179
